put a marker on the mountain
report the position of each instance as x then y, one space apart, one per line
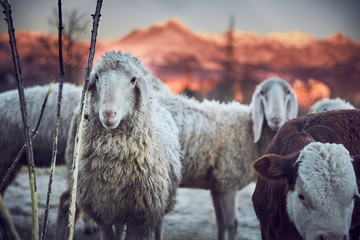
165 43
172 50
184 58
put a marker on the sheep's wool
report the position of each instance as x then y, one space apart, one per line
131 172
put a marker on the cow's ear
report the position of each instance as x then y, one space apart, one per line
277 168
356 165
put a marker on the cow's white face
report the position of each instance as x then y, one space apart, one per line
322 201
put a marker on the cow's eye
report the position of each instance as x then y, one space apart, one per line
133 80
300 196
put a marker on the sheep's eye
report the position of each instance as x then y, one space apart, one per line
96 77
262 92
288 92
133 80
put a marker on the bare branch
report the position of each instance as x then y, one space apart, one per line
29 149
72 208
6 222
57 124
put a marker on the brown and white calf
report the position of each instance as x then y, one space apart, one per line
307 187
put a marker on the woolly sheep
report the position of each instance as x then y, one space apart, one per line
11 130
220 141
129 166
307 187
327 104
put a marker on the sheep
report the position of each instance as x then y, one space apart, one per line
306 185
219 142
327 104
129 164
11 130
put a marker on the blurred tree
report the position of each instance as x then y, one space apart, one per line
76 27
226 89
247 85
188 92
40 55
347 83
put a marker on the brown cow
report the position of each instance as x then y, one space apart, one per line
299 174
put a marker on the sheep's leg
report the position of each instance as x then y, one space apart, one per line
90 226
136 230
225 210
107 232
119 230
63 215
158 230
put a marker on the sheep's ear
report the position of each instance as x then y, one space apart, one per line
257 115
142 86
292 106
277 168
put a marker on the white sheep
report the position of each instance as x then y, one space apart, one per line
129 166
327 104
220 141
11 130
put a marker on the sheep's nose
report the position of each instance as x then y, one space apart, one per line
109 114
333 236
276 121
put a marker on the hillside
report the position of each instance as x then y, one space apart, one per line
183 58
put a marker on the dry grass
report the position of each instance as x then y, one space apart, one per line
193 217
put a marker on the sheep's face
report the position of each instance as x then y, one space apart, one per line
116 94
274 101
275 97
320 201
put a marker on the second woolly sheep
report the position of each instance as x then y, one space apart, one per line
220 141
327 104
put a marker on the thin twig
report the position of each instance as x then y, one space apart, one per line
58 116
29 149
75 165
34 131
33 135
6 222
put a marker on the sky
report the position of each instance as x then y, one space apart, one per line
321 18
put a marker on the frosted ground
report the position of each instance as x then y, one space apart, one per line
192 219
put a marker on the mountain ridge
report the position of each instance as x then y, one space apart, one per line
184 58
